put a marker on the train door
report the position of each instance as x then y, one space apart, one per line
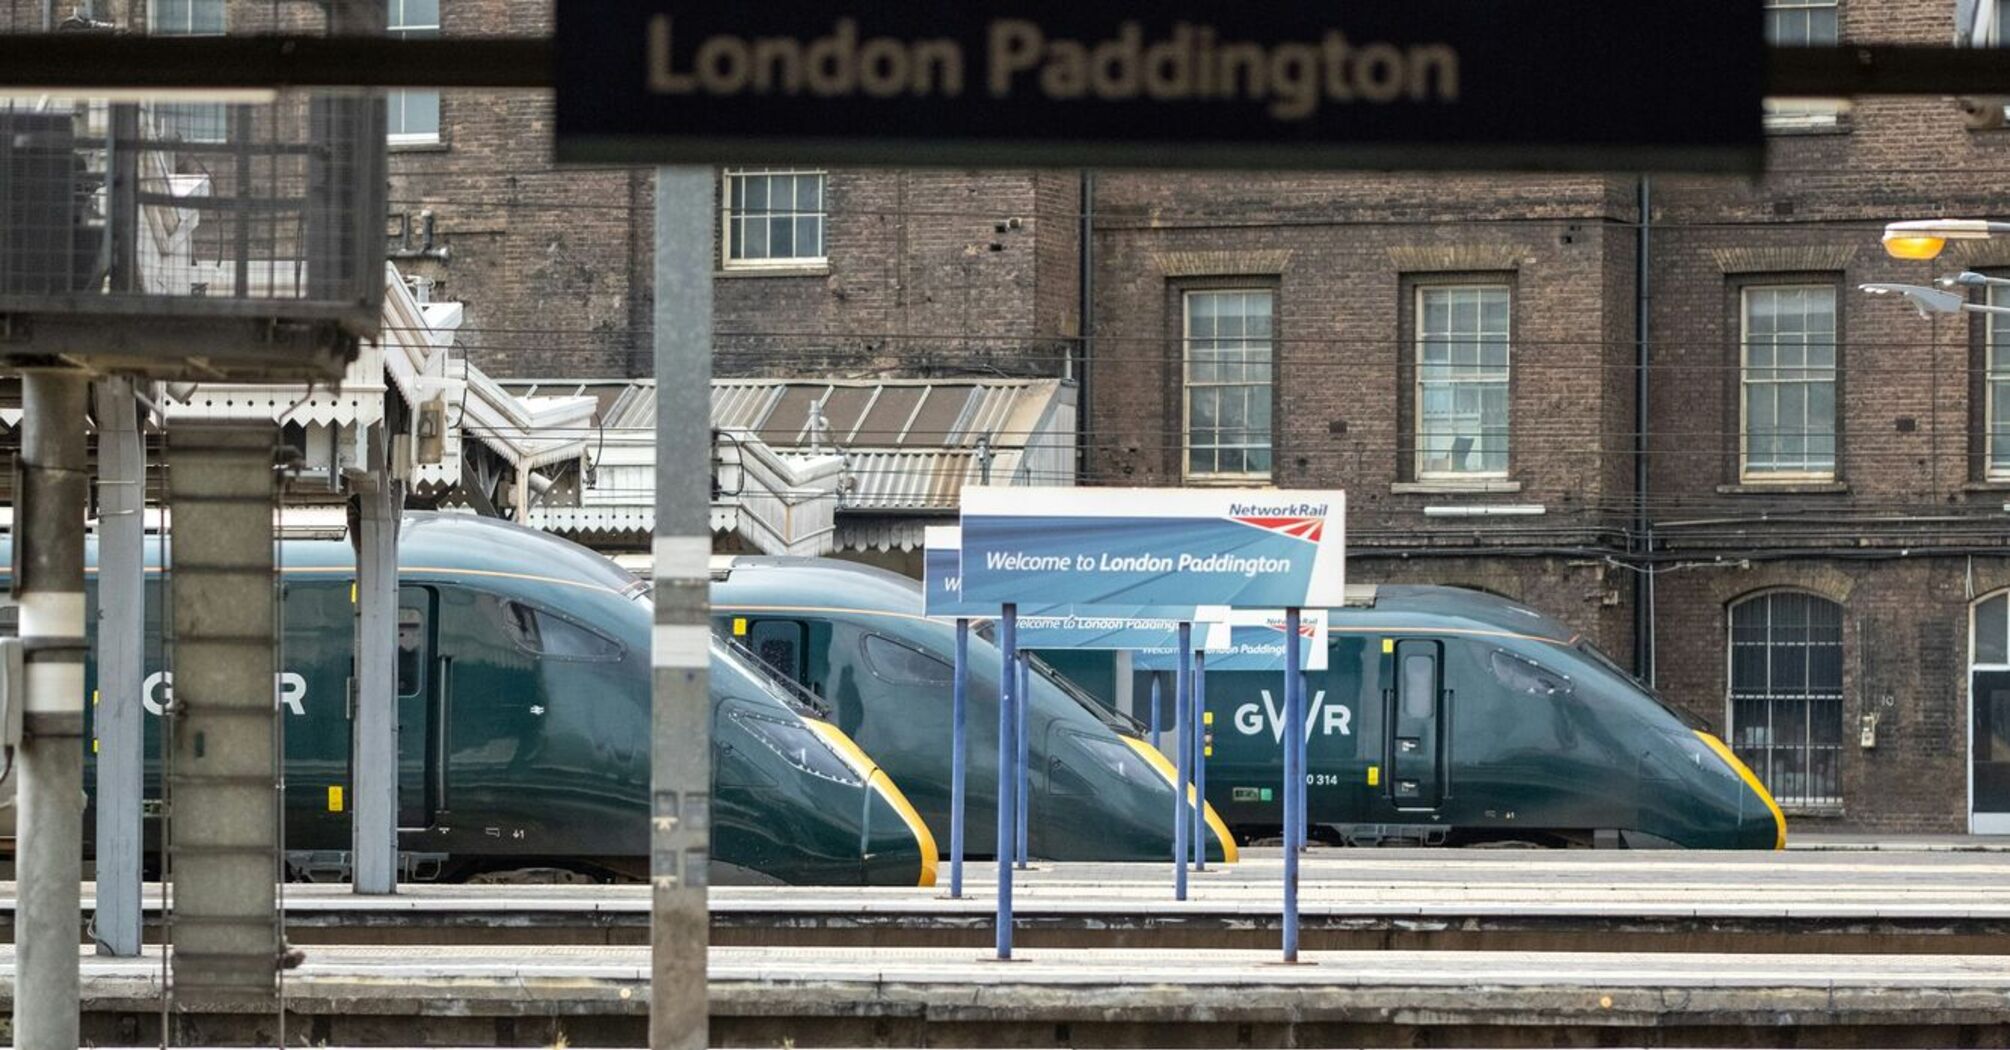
1413 724
423 681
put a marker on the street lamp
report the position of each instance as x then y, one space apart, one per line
1930 301
1925 238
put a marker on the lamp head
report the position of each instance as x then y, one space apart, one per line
1928 301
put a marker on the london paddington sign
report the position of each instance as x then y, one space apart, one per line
1588 84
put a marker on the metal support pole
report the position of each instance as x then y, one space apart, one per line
1294 756
1008 723
959 755
1182 682
1200 760
49 584
119 722
1022 799
1156 742
681 709
374 730
1304 746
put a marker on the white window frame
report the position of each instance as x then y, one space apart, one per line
1995 368
792 262
1745 382
154 27
1807 800
395 11
1417 386
1186 387
1804 114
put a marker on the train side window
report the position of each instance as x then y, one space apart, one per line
1088 752
799 745
1526 676
901 665
549 634
1420 686
411 650
781 645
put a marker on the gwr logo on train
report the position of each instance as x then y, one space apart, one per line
289 690
1334 719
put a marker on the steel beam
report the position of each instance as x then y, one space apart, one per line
49 584
681 708
118 719
70 62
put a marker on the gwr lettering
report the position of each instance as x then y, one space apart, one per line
835 64
1291 79
289 690
1337 719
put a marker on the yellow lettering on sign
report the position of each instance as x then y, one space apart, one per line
739 626
335 798
1388 645
1374 775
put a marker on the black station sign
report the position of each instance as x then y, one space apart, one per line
1534 84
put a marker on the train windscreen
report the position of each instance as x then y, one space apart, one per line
1598 656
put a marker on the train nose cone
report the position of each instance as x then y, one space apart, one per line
1220 843
1761 825
899 851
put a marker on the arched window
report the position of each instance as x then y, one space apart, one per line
1992 631
1786 694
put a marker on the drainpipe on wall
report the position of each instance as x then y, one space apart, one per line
1642 541
1078 359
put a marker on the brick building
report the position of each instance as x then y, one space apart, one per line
1815 563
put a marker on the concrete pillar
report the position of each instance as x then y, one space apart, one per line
118 719
49 584
681 708
374 740
224 762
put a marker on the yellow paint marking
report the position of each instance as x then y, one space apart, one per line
1745 774
869 771
1374 775
739 626
334 798
1229 853
1207 718
1388 645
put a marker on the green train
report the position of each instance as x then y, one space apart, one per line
1451 716
523 736
1446 717
855 636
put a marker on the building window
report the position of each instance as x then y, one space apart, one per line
1789 382
1786 694
774 218
1802 23
1228 353
1996 377
189 121
413 117
1462 381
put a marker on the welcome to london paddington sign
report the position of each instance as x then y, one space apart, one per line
1557 84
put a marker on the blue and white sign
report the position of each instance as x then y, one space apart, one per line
1246 640
941 572
1261 548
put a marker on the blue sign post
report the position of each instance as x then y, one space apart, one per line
942 596
1093 548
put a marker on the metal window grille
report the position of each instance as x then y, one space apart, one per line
1228 376
1789 382
774 216
413 117
1786 694
1801 23
1462 381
